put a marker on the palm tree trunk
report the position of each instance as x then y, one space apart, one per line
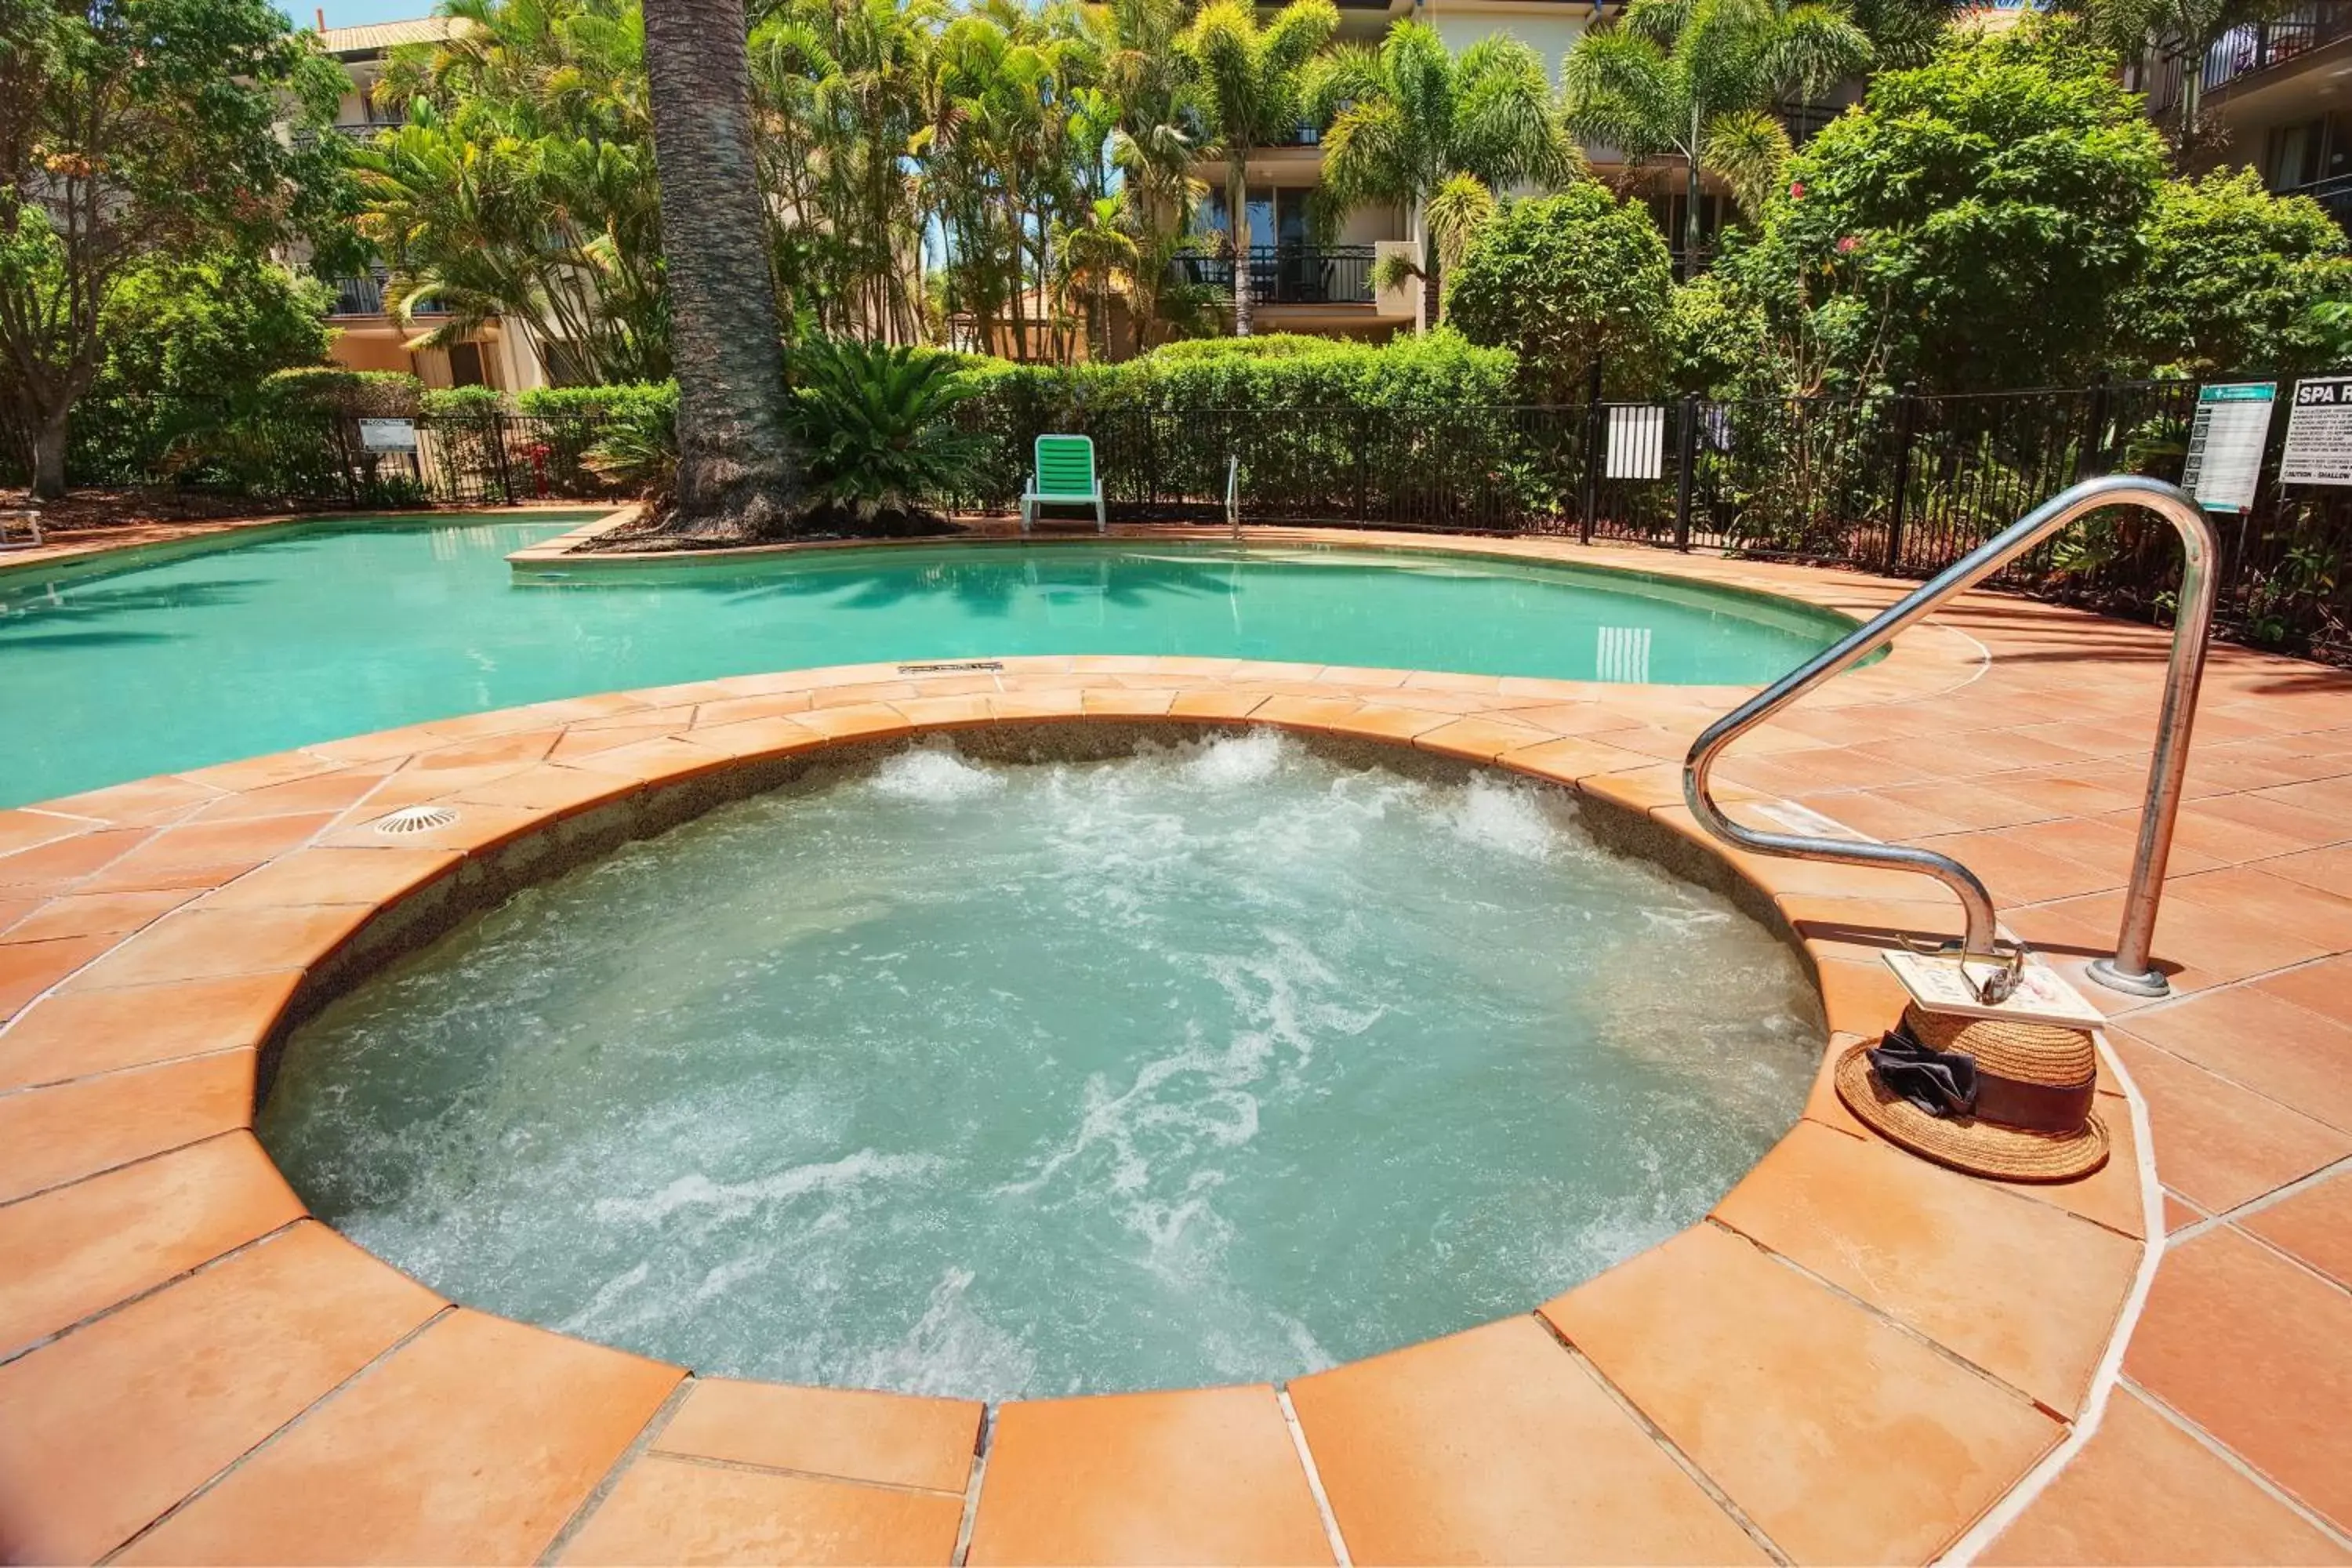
1691 198
1237 210
738 475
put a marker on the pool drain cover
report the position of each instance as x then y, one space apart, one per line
416 819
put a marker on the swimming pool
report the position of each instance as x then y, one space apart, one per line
1205 1061
341 628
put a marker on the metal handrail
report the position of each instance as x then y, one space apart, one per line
2129 969
1233 493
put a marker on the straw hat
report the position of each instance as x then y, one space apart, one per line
2027 1115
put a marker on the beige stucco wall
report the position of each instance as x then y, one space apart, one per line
1545 24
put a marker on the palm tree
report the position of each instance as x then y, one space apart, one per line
1097 257
738 474
1696 76
1411 121
2180 31
1252 84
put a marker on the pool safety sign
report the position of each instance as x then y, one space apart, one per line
2225 443
2319 433
388 435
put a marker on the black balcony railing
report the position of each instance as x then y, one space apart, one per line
2244 51
364 297
1289 274
2335 194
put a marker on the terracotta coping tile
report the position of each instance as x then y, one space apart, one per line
649 761
205 852
935 710
2019 872
1497 1446
558 788
334 876
895 1439
477 828
2143 1491
472 1443
22 830
850 722
749 739
2314 1225
578 744
2220 1145
1325 713
114 1423
1861 998
64 1132
2277 819
740 710
260 773
676 1510
29 968
1734 1355
94 914
2257 1352
76 1033
56 867
1214 705
80 1250
207 944
1204 1475
140 801
2026 1292
1124 703
2256 1038
1478 739
319 791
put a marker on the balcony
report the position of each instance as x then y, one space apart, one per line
2335 194
364 297
2246 51
1289 274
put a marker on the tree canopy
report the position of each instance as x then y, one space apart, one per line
1567 282
135 129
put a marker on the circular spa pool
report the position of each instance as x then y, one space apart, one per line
332 629
1213 1060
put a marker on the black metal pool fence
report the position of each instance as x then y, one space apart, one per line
1901 483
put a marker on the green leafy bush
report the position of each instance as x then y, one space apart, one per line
349 394
1566 283
875 423
467 403
1970 227
2234 279
634 445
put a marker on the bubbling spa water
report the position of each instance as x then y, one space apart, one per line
1223 1061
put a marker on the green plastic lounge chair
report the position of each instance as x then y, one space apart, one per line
1065 477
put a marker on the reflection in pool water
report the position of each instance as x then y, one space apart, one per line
344 627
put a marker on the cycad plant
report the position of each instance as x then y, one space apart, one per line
1696 78
877 422
1253 81
1414 125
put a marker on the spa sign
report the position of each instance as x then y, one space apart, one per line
2225 443
2319 433
388 435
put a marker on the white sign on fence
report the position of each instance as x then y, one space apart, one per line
1637 442
388 435
2225 443
2319 433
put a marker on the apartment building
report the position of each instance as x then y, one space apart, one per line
495 355
1303 284
2275 95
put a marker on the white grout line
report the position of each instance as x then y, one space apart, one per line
2021 1497
982 1441
1314 1479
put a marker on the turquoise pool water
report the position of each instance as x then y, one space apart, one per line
347 626
1220 1062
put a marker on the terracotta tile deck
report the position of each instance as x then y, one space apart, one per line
1857 1357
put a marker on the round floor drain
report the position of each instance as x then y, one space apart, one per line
416 819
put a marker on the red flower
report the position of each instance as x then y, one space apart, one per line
1796 190
1848 245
